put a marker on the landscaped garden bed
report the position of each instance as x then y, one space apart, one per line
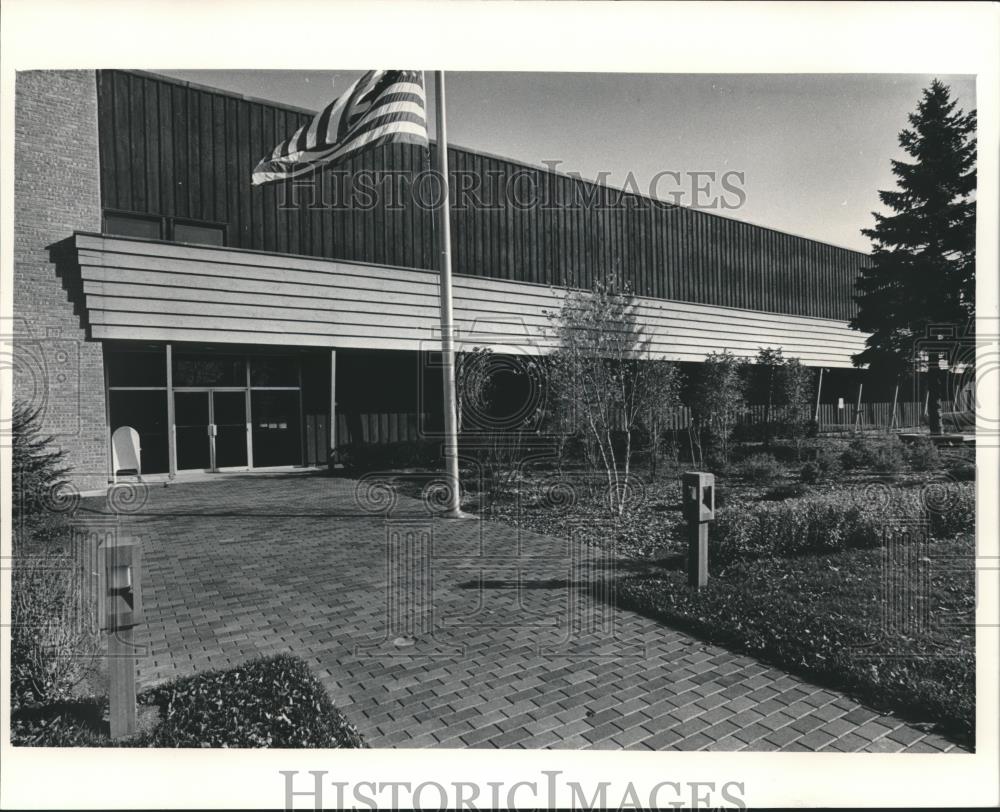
803 573
269 702
830 617
57 667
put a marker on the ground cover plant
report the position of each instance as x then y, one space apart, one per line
828 617
268 702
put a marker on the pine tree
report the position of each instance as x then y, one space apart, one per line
922 272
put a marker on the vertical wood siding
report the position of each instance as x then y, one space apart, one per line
174 150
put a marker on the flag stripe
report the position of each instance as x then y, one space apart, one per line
380 107
381 120
405 132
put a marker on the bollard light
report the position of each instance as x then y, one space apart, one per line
119 608
698 505
120 594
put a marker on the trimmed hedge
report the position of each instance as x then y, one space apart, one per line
839 520
268 702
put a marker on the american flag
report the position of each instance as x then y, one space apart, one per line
383 106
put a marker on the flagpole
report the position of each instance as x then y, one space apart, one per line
447 322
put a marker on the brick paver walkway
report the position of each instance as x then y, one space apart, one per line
430 632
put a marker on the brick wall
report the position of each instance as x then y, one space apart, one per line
57 191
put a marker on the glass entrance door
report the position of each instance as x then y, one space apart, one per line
211 429
191 418
229 416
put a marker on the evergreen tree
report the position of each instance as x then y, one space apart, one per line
922 272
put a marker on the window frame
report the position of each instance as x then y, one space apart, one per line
167 225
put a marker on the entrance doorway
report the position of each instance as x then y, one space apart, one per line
201 409
212 430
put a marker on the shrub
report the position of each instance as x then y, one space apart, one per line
951 507
791 490
36 466
824 465
810 473
37 476
883 454
52 647
923 455
786 450
363 457
759 468
269 702
963 472
838 520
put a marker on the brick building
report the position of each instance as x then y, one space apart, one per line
239 327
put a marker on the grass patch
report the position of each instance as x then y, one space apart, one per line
828 617
268 702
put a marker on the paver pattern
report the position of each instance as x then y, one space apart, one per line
437 633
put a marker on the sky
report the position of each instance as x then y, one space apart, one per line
813 149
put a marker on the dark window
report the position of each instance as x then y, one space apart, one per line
275 370
276 436
136 368
146 412
203 234
209 370
133 225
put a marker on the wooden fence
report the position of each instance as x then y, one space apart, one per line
392 427
379 428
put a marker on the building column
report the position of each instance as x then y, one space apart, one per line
171 428
332 433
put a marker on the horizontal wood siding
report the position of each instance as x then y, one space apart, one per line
159 291
174 150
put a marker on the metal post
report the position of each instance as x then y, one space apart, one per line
332 432
819 392
112 474
171 419
857 408
447 330
895 400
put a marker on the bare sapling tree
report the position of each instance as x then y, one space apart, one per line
472 381
603 379
662 382
718 398
795 387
